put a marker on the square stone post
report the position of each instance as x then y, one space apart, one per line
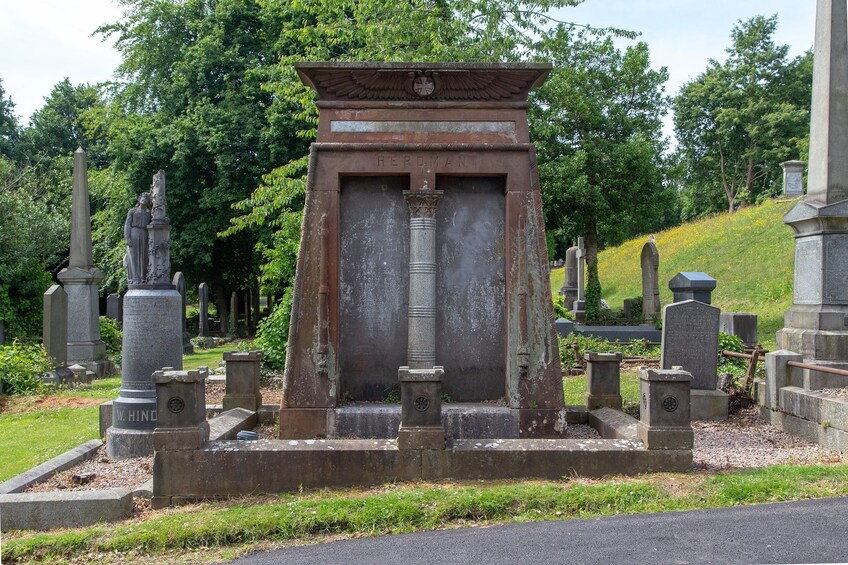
779 375
603 379
664 411
242 383
181 424
203 300
421 409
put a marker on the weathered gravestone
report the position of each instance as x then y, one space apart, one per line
793 178
81 279
650 259
423 245
114 305
203 299
569 285
741 324
153 328
180 284
55 325
234 313
690 341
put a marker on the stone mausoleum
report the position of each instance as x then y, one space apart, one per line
423 245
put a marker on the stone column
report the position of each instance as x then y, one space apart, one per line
793 178
421 381
580 304
421 343
816 326
203 299
81 279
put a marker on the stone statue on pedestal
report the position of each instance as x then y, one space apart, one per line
135 234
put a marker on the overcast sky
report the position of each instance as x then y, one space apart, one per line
44 41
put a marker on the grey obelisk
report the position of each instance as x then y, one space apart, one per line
81 279
816 325
152 338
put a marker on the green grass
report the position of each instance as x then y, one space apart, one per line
750 254
575 388
231 528
31 435
206 357
31 438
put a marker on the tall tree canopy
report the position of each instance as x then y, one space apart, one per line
597 125
738 120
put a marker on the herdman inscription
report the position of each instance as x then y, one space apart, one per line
428 162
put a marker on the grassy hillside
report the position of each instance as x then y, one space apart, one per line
750 254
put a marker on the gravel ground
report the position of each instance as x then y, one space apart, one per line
744 441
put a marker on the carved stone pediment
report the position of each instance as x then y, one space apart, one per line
422 81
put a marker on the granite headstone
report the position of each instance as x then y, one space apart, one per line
690 340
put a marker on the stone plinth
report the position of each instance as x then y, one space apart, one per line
741 324
692 286
181 405
242 385
152 339
84 343
664 421
603 379
793 178
421 409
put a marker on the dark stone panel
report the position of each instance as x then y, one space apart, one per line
471 288
374 285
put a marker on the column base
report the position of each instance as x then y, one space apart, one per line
708 405
126 444
421 437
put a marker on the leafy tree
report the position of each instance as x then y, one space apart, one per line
32 234
597 125
737 121
9 129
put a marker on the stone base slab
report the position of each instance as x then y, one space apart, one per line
247 401
595 401
228 468
421 438
831 438
302 423
48 510
815 406
708 405
612 424
660 437
126 444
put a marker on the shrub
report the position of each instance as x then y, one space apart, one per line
560 311
110 333
21 367
736 367
199 342
638 348
593 292
272 334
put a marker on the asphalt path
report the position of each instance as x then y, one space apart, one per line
812 531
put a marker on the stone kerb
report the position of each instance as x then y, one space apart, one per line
779 375
664 421
242 383
603 380
181 408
